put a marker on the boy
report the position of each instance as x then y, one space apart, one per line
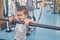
21 29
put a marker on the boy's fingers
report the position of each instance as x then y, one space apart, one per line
27 22
16 18
33 21
10 19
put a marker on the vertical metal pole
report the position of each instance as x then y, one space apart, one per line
39 15
36 3
4 7
6 15
33 12
8 26
54 6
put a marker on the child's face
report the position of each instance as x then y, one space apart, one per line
21 16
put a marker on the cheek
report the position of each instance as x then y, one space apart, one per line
18 16
25 16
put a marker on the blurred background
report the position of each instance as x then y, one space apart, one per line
42 11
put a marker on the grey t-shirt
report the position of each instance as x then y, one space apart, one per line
21 30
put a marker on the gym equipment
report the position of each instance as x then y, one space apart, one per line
6 13
2 39
6 8
17 4
41 5
30 8
54 7
37 3
35 24
40 15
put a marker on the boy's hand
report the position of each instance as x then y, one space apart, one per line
28 21
16 18
11 19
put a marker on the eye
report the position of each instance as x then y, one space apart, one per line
19 15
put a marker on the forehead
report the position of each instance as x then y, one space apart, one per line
20 12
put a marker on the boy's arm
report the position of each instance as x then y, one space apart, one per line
11 19
28 21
